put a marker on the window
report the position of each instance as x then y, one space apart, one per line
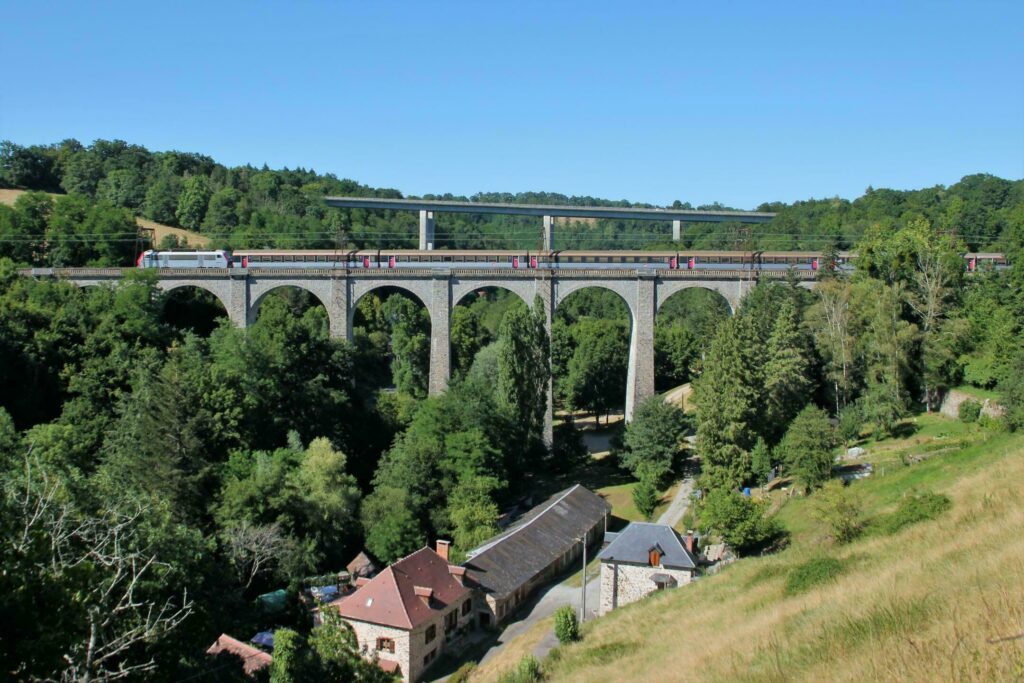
431 634
429 657
386 644
654 556
465 607
451 620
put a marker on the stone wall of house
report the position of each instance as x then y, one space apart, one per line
623 583
951 405
411 646
367 635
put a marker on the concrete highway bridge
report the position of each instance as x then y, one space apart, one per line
241 291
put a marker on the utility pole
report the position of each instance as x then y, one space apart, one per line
583 596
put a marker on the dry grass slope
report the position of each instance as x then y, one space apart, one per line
942 600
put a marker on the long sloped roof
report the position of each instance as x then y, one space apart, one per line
634 543
507 561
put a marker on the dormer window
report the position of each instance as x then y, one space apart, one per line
654 556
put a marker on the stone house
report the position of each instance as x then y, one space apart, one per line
644 558
409 613
540 545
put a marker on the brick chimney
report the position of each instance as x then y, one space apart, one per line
442 548
458 572
689 542
424 594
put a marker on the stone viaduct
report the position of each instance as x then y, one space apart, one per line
241 291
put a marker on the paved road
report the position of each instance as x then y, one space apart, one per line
677 508
544 605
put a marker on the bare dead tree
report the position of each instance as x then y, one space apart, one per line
254 549
59 541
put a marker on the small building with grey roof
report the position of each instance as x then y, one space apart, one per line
546 541
644 558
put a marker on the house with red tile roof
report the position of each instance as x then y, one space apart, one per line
408 614
253 659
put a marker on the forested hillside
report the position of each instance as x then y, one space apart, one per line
161 468
109 182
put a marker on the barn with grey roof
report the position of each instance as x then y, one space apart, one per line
539 546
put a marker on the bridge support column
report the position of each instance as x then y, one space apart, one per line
640 378
440 333
337 309
677 230
238 301
549 233
545 290
426 230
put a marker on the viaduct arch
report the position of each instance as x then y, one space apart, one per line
241 291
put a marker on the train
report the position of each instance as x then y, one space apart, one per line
492 259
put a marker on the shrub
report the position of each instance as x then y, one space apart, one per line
567 628
812 573
645 497
527 671
969 411
841 510
914 508
850 422
738 519
462 674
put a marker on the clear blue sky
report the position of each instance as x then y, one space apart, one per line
639 101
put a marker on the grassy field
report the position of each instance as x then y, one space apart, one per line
938 600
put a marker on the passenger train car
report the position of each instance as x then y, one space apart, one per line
491 259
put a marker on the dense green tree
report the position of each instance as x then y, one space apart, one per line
81 173
727 396
222 214
652 440
23 226
468 336
390 525
596 374
193 201
28 167
524 367
1012 391
787 374
645 495
161 201
886 345
806 449
123 187
409 327
676 351
761 462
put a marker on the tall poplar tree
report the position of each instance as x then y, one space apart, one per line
524 368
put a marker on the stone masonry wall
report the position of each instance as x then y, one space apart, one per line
622 583
367 635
